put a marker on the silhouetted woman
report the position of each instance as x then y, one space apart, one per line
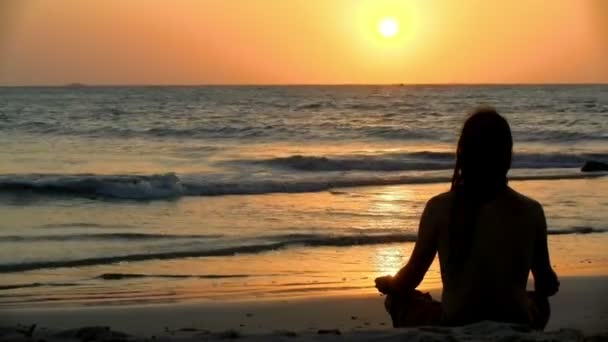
488 236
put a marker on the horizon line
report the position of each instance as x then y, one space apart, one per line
85 85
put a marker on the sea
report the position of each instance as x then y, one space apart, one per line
146 195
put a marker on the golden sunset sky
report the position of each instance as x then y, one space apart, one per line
302 41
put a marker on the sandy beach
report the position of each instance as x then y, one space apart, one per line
580 308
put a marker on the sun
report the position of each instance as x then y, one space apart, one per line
388 27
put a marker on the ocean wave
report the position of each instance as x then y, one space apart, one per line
201 131
418 161
352 105
149 187
109 236
230 127
358 163
319 240
277 243
558 136
256 246
30 285
315 105
121 276
576 230
170 186
358 237
79 225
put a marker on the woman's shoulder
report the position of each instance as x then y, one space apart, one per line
523 200
442 200
445 200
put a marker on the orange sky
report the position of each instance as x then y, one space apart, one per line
302 41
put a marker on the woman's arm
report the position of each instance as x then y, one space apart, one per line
545 279
425 249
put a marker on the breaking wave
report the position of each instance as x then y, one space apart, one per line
276 243
170 186
417 161
268 243
109 236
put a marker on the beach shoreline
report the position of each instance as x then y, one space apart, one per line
581 304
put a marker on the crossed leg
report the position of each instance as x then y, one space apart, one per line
418 308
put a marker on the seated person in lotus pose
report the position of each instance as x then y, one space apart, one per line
488 237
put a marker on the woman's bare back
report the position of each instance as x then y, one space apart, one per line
508 241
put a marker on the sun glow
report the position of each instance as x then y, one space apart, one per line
387 36
388 27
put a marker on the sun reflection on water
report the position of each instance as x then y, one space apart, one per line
389 259
395 208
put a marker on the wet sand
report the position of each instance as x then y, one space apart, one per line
581 305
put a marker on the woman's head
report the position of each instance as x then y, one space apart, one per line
483 156
483 159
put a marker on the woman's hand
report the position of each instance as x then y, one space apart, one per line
385 284
546 282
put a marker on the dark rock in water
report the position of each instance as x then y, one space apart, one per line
592 166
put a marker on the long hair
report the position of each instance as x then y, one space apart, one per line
483 159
